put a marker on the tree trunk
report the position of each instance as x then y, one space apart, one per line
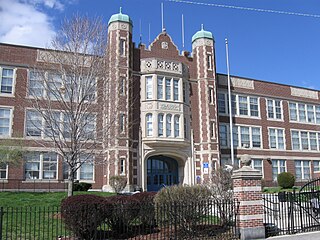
70 183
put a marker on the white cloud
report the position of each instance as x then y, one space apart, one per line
23 22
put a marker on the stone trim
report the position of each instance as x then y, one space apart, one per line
250 217
247 189
251 203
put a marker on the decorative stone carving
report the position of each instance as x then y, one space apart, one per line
236 82
164 45
168 106
149 106
148 64
299 92
246 160
202 42
157 64
124 26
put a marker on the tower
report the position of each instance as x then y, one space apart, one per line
205 119
118 93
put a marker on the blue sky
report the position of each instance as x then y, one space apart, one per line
268 46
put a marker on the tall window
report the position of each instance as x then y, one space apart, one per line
257 164
223 135
302 112
176 126
293 111
317 108
5 121
149 87
149 124
209 61
243 105
160 125
254 107
3 171
122 47
211 95
278 166
6 76
276 138
256 139
303 170
274 108
122 166
222 106
122 85
310 113
316 165
168 125
41 165
168 89
85 171
121 122
295 139
160 88
175 89
54 85
33 123
36 84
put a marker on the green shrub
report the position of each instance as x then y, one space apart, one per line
118 183
286 180
82 214
82 186
123 212
183 205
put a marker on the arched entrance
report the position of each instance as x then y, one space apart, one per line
161 171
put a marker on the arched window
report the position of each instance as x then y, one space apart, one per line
176 126
160 125
149 124
168 125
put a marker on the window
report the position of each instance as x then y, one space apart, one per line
209 61
149 124
168 89
274 109
313 141
5 121
293 111
121 122
303 140
212 130
241 105
245 137
184 92
175 89
276 138
89 127
40 165
7 79
317 108
176 126
302 169
211 95
160 88
310 114
222 103
185 127
295 139
36 84
168 125
254 107
122 47
223 135
122 85
86 170
302 112
54 85
256 140
160 125
149 87
3 171
33 123
278 166
316 166
257 164
122 166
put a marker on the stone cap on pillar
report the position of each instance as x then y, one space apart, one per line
246 172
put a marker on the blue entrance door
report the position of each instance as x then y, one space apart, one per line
161 171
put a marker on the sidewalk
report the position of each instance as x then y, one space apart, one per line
300 236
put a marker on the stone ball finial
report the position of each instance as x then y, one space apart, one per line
245 160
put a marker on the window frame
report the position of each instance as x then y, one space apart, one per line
14 76
276 131
6 170
274 109
302 169
278 167
10 129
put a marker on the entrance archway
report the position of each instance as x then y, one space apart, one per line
161 171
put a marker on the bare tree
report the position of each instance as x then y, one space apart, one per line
67 93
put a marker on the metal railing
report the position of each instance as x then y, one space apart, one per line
291 212
201 220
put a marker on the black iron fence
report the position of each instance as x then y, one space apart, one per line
202 220
291 212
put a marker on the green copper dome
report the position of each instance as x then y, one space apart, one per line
202 34
120 17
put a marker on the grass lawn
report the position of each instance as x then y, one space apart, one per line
31 199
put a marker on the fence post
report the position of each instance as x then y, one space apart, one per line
1 221
247 190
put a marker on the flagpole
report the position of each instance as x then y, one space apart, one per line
230 104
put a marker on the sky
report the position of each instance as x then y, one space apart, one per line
264 45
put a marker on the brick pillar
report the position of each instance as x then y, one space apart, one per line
247 190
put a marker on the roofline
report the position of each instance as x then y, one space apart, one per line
23 46
264 81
